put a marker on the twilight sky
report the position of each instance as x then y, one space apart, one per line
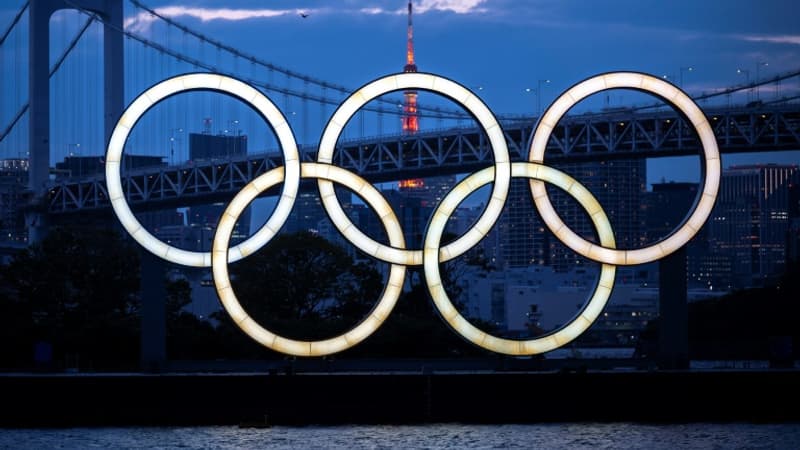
506 46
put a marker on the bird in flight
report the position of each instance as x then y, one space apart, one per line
303 15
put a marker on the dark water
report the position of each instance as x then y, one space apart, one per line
446 436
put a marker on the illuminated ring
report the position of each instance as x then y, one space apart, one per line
480 338
460 95
711 171
193 82
219 264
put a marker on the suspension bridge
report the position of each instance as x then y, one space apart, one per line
67 66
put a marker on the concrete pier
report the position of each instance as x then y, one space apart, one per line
493 397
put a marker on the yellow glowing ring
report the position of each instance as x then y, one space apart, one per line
711 171
220 255
460 95
512 346
192 82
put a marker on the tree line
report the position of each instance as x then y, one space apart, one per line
74 301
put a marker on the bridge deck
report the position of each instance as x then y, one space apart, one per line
619 134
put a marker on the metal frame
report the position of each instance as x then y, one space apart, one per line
448 151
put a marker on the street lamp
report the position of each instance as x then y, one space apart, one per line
233 125
73 150
172 133
747 79
758 69
528 90
539 95
685 69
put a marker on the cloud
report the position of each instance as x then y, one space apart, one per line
141 22
793 39
207 14
372 11
424 6
456 6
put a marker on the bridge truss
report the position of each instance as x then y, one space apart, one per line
620 135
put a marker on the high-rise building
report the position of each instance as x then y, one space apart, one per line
666 208
203 146
429 192
412 212
751 220
13 186
523 240
793 242
414 202
203 218
619 186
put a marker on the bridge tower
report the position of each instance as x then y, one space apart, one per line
40 12
410 119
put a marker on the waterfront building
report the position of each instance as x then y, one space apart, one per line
751 221
13 188
202 219
619 186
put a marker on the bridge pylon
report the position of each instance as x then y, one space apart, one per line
40 12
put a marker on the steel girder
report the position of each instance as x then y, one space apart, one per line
619 134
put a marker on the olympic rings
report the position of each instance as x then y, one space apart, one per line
711 173
432 254
219 263
512 346
194 82
458 94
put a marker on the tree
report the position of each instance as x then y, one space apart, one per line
415 328
188 337
303 287
79 291
741 325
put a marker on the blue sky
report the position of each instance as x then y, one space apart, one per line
506 46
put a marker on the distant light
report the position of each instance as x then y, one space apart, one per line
414 183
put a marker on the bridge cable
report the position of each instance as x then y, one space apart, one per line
14 23
211 68
288 72
53 70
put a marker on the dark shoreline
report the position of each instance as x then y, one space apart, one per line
257 399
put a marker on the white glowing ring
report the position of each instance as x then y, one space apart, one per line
395 253
461 325
220 256
192 82
711 171
460 95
